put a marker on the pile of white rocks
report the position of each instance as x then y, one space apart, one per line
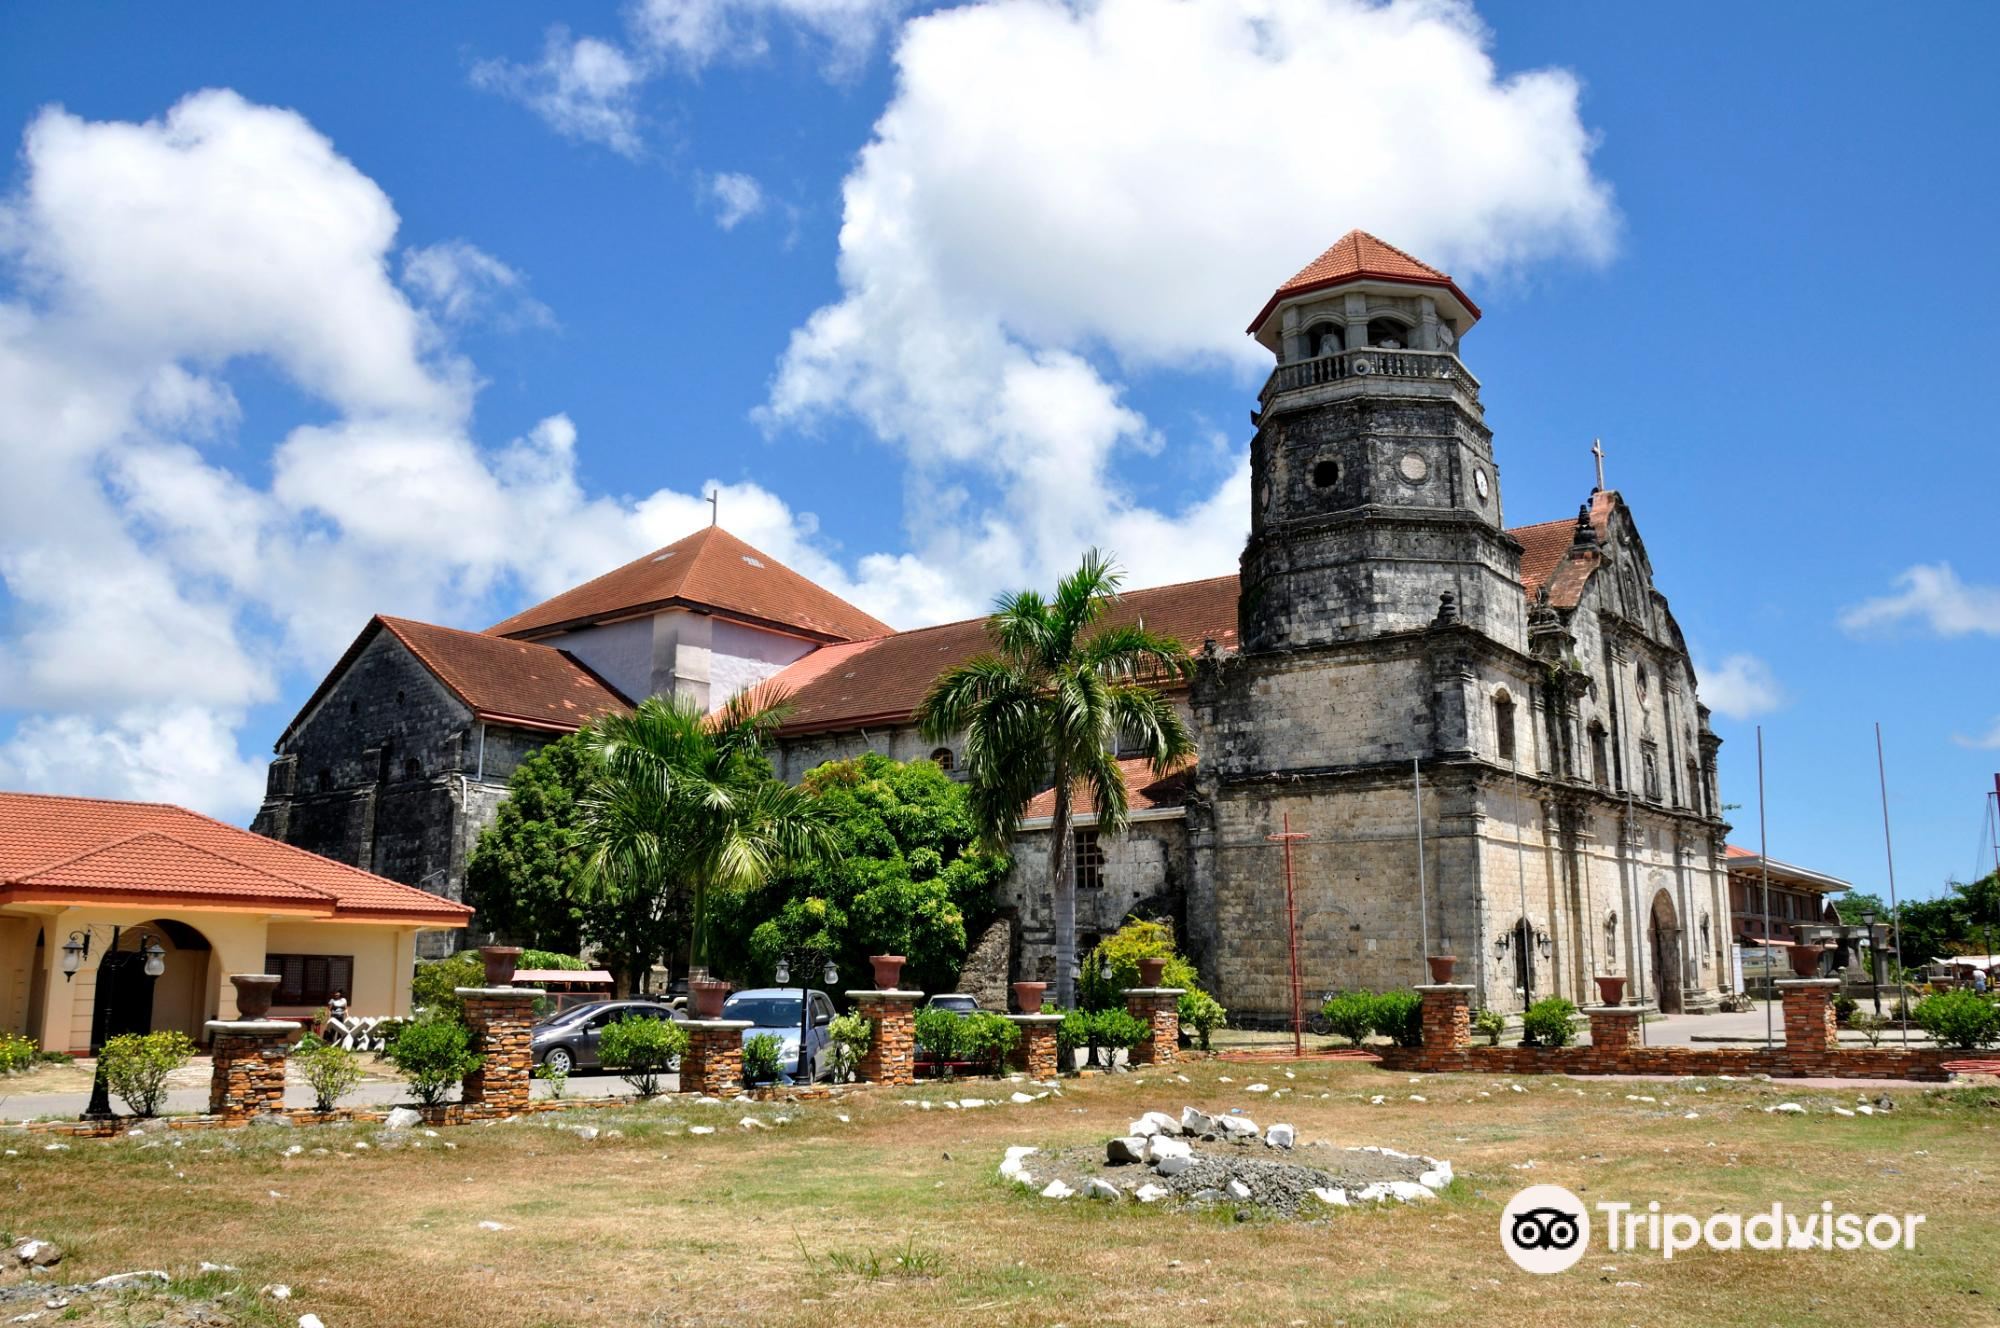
1227 1158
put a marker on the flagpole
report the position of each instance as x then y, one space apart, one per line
1764 864
1423 888
1889 848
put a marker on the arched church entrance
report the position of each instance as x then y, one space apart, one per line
129 1000
1665 931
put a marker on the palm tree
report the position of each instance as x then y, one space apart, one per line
686 802
1050 705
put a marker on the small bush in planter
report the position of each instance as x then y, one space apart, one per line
1549 1022
762 1053
642 1050
1399 1016
136 1066
938 1033
1116 1031
1490 1024
330 1070
1351 1014
1964 1020
1869 1026
847 1039
986 1037
433 1053
1844 1007
1201 1014
1075 1033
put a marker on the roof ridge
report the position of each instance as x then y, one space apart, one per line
653 553
88 797
87 852
1397 250
205 852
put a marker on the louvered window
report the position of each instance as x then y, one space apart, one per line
310 979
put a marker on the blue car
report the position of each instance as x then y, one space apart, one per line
775 1010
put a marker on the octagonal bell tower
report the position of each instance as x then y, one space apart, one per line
1374 490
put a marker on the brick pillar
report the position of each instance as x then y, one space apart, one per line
502 1020
1447 1018
713 1063
891 1057
248 1078
1159 1008
1615 1028
1809 1020
1035 1054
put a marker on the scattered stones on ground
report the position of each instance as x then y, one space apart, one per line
1280 1136
34 1253
403 1118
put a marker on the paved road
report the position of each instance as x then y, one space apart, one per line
379 1093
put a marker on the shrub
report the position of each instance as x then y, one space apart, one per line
1399 1016
761 1054
1351 1014
1124 948
330 1070
1844 1007
1490 1024
433 988
938 1033
1075 1034
16 1053
1201 1013
1118 1030
1869 1026
642 1050
847 1040
550 959
987 1037
433 1053
136 1066
556 1079
1960 1019
1549 1022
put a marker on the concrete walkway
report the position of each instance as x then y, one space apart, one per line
194 1101
1688 1030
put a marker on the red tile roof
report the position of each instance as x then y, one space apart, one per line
515 681
1359 256
1144 791
881 681
1549 556
712 570
97 851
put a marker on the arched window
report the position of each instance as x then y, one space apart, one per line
1600 756
324 779
412 768
1324 339
1387 333
1503 724
942 758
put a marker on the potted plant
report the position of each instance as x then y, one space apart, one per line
254 992
1441 967
500 961
1805 960
1028 996
1151 970
888 971
1610 990
707 996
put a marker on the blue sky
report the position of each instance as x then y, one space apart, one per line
436 310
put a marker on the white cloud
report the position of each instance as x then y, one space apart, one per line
582 87
1741 687
180 754
1986 742
459 282
1006 253
699 32
1934 597
734 196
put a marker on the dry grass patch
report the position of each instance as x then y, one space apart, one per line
896 1217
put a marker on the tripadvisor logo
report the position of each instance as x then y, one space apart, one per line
1546 1229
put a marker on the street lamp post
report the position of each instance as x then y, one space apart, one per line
808 959
74 951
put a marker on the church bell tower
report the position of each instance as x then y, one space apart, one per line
1374 491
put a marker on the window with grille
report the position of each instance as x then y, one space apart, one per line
310 979
1089 856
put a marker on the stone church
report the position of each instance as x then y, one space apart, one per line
1484 739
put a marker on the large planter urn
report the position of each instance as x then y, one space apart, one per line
1151 971
500 961
1611 990
253 993
1441 967
708 994
1805 960
888 970
1028 996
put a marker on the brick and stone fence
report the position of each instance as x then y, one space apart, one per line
712 1065
1159 1008
1809 1049
891 1057
1036 1055
502 1020
248 1077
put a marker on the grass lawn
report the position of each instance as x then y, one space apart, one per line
896 1216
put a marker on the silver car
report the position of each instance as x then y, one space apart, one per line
775 1010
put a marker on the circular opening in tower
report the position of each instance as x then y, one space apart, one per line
1324 474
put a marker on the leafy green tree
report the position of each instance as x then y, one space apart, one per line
1048 706
136 1066
906 877
526 872
685 802
1853 907
435 1053
642 1050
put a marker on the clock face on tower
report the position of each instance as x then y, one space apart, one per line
1480 484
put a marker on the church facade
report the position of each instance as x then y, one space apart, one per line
1484 740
